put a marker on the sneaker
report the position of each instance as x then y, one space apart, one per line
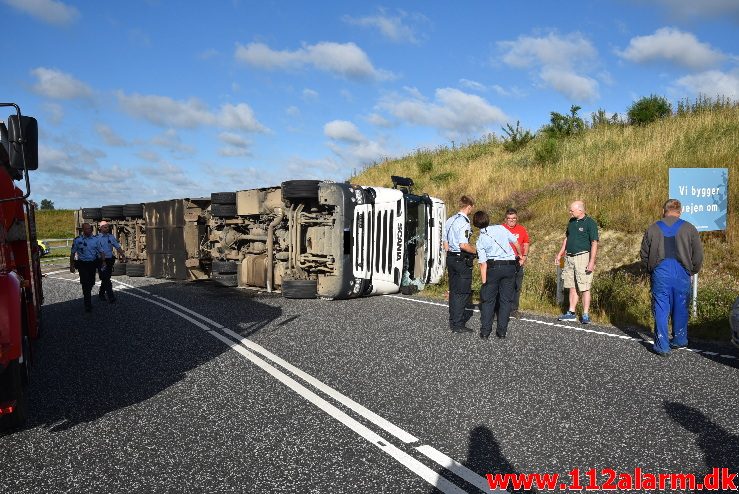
676 346
585 319
567 316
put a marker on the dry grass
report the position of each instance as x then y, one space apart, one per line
621 173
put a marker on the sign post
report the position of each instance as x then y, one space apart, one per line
704 194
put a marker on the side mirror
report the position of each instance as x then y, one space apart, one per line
27 147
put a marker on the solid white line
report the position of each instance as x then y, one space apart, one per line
456 468
57 272
378 441
344 400
425 302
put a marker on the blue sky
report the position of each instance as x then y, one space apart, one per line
152 99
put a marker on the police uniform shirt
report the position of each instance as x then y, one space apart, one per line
457 231
108 242
86 248
494 244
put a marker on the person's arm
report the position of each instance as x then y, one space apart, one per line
445 244
593 254
561 252
482 262
468 248
644 250
71 260
517 246
697 249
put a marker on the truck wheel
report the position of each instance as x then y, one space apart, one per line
135 270
119 269
112 212
223 197
133 210
299 288
224 267
19 392
300 189
223 210
94 214
225 279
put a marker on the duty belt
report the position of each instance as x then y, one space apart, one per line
493 262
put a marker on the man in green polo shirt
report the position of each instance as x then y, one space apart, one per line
580 246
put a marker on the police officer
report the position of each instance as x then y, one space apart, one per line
459 260
108 242
86 256
498 267
671 250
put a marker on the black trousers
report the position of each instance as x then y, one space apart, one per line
87 271
460 289
517 288
106 286
498 290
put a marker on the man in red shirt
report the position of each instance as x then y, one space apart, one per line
518 231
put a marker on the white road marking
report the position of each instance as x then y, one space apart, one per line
456 468
575 328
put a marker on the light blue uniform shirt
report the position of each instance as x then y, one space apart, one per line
457 231
493 244
107 242
86 248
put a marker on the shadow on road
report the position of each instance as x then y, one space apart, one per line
89 365
720 447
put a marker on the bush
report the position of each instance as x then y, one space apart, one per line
648 110
547 151
424 163
515 138
564 125
443 177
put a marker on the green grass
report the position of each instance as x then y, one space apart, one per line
55 224
621 173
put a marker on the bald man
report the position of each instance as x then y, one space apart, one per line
581 247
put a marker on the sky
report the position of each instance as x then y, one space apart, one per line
148 100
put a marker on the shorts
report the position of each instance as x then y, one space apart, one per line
574 270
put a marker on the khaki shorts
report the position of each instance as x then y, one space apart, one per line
574 270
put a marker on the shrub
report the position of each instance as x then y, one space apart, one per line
443 177
547 151
564 125
648 110
515 138
424 163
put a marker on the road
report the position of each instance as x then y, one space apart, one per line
192 387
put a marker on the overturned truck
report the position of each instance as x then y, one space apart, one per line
306 238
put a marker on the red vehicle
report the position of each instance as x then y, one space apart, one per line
20 270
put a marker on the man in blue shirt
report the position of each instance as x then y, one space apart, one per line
498 266
108 242
86 256
459 258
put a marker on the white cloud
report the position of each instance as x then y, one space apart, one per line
48 11
347 59
454 112
54 112
559 59
343 130
472 85
236 145
109 135
69 159
672 45
56 84
712 83
378 120
392 27
310 94
171 141
292 111
690 9
167 112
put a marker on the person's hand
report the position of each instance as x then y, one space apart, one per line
590 268
557 259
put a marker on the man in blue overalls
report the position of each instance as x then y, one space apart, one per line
108 242
85 257
672 252
460 255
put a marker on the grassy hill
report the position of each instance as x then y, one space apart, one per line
621 173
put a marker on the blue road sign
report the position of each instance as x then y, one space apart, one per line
704 194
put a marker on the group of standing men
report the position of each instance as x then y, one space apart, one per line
671 251
94 253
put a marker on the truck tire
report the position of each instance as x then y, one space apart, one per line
223 198
300 189
94 214
119 269
224 267
299 288
135 270
133 210
225 279
223 210
113 212
17 385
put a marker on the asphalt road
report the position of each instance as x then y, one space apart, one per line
191 387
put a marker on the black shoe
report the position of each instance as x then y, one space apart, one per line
461 329
501 336
484 336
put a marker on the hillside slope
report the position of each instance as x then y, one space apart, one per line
621 173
